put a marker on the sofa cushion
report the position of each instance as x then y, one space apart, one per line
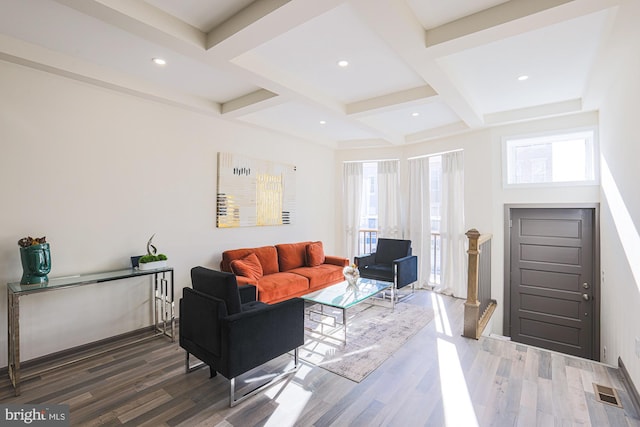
291 255
266 254
314 254
321 275
248 266
278 286
382 272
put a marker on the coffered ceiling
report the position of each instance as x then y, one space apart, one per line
417 69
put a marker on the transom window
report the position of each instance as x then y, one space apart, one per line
564 158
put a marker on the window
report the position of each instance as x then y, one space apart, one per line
566 158
435 199
369 215
368 239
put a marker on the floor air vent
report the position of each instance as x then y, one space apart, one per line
607 395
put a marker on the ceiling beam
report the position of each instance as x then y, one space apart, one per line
261 21
362 143
530 113
396 23
505 20
250 103
488 18
241 20
417 95
144 20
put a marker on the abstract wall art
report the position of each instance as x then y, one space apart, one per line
254 192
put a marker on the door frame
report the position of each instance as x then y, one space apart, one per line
595 207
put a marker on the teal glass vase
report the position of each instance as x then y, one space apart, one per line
36 264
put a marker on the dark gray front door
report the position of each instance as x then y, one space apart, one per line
551 289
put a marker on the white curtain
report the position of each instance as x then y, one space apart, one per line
388 199
452 226
419 217
352 203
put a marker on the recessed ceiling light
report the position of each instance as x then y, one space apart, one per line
343 63
523 77
416 114
159 61
323 122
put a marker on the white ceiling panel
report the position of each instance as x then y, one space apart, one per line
413 119
557 59
311 53
301 120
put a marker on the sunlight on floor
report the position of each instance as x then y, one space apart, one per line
458 409
456 401
291 398
627 231
440 316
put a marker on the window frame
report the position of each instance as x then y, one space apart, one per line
557 135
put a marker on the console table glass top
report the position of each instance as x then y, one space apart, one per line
82 279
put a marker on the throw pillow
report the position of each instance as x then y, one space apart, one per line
314 254
248 266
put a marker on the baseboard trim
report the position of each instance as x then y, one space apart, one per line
633 391
120 339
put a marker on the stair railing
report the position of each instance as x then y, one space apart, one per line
479 305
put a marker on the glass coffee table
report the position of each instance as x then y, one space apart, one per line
331 303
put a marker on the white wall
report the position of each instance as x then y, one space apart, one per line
98 172
620 219
485 197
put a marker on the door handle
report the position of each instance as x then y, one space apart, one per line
585 297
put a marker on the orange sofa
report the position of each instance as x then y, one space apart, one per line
285 270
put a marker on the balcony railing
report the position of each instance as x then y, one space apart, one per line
436 258
368 241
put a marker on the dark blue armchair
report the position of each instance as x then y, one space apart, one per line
391 262
224 326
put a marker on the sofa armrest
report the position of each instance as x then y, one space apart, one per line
336 260
242 281
257 336
364 260
248 293
407 270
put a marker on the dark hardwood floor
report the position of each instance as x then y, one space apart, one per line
437 378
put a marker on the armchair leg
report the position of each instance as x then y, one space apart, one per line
399 297
232 389
189 368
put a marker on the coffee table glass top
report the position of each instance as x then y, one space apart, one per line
341 295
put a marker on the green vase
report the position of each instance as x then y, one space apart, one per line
36 263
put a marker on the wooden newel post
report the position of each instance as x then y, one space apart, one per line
472 305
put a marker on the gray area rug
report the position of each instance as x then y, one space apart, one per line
373 334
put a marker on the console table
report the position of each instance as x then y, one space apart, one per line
161 294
